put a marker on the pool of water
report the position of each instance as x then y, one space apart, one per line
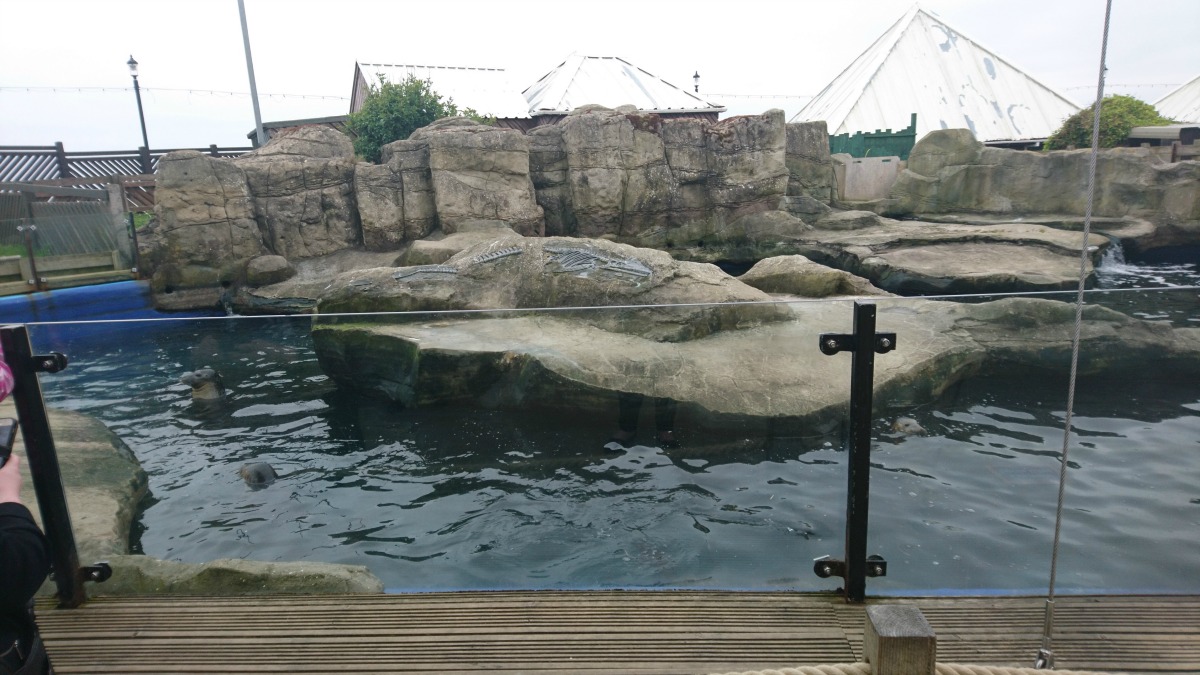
465 498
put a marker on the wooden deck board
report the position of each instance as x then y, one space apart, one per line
595 632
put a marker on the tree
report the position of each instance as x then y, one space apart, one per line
1118 115
393 110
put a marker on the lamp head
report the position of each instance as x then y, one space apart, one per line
695 80
132 66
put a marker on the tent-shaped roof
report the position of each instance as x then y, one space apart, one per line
921 65
489 91
612 82
1183 104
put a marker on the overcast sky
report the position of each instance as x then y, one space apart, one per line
63 75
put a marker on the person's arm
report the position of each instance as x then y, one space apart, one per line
24 556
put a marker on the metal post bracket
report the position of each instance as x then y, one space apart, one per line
49 363
833 343
98 572
826 567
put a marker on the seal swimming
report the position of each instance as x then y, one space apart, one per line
258 474
907 426
206 384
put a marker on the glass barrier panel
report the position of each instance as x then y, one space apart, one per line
518 449
969 444
697 446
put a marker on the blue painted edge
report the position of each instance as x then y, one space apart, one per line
912 593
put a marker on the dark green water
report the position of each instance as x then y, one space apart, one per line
461 497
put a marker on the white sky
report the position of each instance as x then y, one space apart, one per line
787 48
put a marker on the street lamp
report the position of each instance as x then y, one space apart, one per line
695 79
141 115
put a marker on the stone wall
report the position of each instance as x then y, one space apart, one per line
810 167
950 172
617 174
302 184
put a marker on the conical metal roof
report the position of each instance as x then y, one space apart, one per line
1183 104
608 81
921 65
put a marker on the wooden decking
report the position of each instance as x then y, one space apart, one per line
593 632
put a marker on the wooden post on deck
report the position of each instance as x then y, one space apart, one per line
899 641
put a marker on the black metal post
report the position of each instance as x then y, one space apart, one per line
864 343
133 238
64 168
43 459
137 91
858 478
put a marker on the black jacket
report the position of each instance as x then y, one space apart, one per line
24 564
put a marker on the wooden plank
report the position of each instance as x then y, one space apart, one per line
597 632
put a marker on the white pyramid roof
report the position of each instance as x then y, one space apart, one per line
610 82
921 65
1183 104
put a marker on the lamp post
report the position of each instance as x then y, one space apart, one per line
145 153
695 79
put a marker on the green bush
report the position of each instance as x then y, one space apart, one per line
393 110
1118 114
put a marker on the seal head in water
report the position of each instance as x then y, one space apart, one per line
258 474
206 384
907 426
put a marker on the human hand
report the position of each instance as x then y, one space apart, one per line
10 480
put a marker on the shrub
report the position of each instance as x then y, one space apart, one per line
1118 114
393 110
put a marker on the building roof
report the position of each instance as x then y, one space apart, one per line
611 82
488 91
1183 104
921 65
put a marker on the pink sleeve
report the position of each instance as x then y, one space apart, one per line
6 377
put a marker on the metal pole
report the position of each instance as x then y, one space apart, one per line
137 91
864 342
43 459
258 128
858 476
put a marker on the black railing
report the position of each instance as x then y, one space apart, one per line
42 456
864 343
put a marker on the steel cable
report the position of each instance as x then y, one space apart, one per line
1045 656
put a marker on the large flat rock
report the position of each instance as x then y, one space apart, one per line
769 372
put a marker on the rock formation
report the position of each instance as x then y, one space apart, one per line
737 191
206 228
771 372
950 172
303 189
517 273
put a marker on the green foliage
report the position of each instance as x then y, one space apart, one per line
141 219
1118 114
7 250
393 110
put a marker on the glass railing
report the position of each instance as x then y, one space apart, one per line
83 244
560 449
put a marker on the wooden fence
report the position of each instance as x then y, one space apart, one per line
29 163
